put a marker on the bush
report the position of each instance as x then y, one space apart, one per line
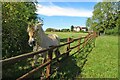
52 30
65 30
112 31
15 18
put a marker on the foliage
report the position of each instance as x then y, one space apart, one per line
65 30
72 28
112 31
57 30
15 18
88 22
52 30
105 17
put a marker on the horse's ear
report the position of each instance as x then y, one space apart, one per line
36 27
28 28
40 24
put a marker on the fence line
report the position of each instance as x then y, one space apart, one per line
47 64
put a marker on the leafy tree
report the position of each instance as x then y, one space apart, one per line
88 22
15 18
65 30
50 29
105 17
72 28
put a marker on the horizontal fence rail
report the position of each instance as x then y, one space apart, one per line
91 36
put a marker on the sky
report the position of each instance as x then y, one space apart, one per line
61 15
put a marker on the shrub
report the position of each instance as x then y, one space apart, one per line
112 31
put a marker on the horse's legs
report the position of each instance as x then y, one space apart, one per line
57 53
43 61
35 58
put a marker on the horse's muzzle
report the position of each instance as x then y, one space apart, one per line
32 43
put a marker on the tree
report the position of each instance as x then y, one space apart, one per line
72 28
15 18
89 23
105 16
50 29
65 30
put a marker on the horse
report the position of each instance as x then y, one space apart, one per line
39 40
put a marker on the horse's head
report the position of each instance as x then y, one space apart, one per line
32 31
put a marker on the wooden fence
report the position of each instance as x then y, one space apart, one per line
90 37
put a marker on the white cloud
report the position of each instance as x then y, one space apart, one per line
53 10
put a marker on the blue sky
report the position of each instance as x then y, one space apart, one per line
61 15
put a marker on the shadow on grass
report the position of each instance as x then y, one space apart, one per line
68 69
71 67
82 55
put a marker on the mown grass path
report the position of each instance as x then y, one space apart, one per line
102 62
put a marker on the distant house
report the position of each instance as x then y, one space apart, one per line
80 28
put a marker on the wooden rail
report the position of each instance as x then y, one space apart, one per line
47 64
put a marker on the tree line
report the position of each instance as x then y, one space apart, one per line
106 18
57 30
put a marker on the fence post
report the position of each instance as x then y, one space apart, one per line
68 47
48 68
79 44
85 40
95 34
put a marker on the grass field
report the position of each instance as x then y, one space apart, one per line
101 62
67 34
64 35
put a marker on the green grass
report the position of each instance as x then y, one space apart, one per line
64 35
102 62
67 34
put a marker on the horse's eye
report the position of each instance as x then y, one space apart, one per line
33 35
